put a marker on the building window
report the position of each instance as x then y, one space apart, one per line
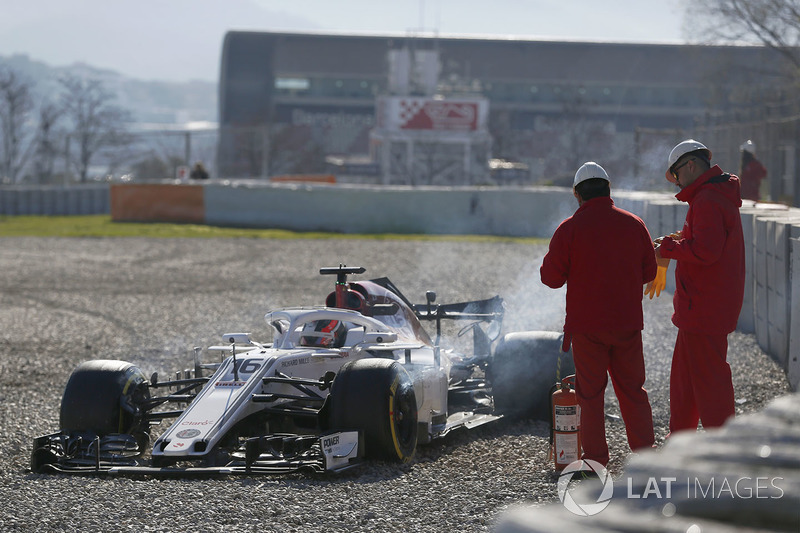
292 84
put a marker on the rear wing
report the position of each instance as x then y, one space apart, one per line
490 310
486 310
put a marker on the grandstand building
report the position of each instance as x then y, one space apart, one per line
289 102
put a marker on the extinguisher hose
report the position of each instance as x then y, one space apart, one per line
552 414
550 396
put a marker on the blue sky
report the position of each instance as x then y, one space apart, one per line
180 40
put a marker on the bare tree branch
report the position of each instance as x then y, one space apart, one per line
772 23
46 149
16 104
96 123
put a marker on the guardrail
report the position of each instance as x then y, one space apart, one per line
87 199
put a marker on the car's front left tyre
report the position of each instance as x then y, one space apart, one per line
376 397
101 398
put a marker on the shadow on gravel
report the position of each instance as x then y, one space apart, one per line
458 445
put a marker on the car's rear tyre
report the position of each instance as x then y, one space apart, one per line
100 398
524 368
376 397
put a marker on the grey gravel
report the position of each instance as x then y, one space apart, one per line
149 301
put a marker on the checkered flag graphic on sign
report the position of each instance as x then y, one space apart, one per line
409 108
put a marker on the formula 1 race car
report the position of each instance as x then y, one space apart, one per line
357 378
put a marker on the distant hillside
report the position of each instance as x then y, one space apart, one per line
148 101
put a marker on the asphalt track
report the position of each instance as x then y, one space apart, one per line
149 301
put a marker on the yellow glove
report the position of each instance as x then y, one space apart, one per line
678 235
658 284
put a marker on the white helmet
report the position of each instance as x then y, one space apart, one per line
748 146
588 171
680 150
683 148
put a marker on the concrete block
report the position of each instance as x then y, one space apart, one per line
746 321
777 283
650 218
793 359
635 202
760 286
780 283
661 215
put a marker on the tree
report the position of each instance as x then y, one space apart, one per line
773 23
154 167
97 123
16 104
46 142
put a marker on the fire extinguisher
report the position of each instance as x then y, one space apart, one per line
565 415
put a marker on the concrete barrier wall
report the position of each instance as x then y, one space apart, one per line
91 199
353 209
793 362
772 232
778 284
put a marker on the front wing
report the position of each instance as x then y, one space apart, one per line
273 454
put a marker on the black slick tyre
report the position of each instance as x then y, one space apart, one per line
376 397
524 368
100 398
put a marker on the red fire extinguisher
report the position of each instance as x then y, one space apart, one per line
565 415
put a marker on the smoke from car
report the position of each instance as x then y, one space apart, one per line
530 305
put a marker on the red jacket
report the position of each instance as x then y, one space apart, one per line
752 174
605 255
709 275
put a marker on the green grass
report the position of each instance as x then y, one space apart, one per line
102 226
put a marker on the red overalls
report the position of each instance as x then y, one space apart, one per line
752 174
709 289
605 255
